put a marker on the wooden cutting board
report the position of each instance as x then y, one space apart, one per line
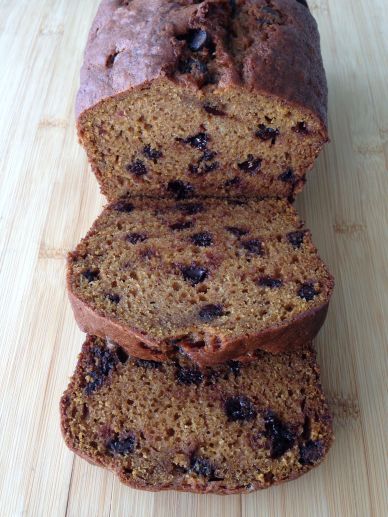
48 199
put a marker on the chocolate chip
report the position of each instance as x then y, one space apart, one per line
113 297
295 238
303 2
210 312
301 127
209 167
194 274
198 141
208 155
189 376
307 291
213 110
311 452
202 239
272 283
201 467
190 208
121 445
232 182
251 165
235 367
123 206
111 59
102 361
197 39
121 355
148 364
183 225
180 189
254 246
267 133
237 232
288 176
281 438
240 408
90 275
137 168
152 154
134 238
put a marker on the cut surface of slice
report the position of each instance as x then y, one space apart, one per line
215 278
228 97
234 428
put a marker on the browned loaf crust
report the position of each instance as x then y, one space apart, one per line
213 278
230 429
225 96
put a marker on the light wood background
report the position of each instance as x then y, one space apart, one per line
48 199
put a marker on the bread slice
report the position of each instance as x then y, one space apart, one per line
230 429
215 278
229 97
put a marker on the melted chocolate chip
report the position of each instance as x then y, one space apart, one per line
208 155
201 467
288 176
272 283
251 165
198 141
202 239
301 127
180 189
189 376
307 291
194 274
254 246
90 275
237 232
190 208
267 133
311 452
210 312
102 361
113 297
235 367
295 238
121 445
122 355
137 168
240 408
134 238
183 225
213 110
148 364
232 182
281 438
123 206
152 154
209 167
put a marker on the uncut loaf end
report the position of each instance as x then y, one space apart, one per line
216 97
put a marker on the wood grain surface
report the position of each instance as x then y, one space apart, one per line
48 199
